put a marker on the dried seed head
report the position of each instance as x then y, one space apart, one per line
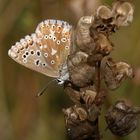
75 113
88 96
125 69
120 119
116 72
123 12
81 113
85 21
76 59
83 38
81 74
102 24
72 93
103 45
70 114
104 12
93 112
77 125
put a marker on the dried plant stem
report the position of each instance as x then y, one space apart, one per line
97 68
98 132
87 73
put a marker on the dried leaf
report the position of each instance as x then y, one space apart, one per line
115 73
81 74
123 13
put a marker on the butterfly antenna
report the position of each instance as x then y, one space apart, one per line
43 90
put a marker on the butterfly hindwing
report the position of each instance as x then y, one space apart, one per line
27 53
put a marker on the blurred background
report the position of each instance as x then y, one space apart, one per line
22 115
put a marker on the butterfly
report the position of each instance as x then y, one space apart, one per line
46 51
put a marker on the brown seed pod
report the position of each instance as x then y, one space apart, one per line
93 112
102 24
77 125
115 73
83 38
103 45
74 94
76 59
120 119
75 113
81 74
103 12
123 13
88 97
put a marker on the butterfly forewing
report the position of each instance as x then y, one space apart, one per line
55 40
46 50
